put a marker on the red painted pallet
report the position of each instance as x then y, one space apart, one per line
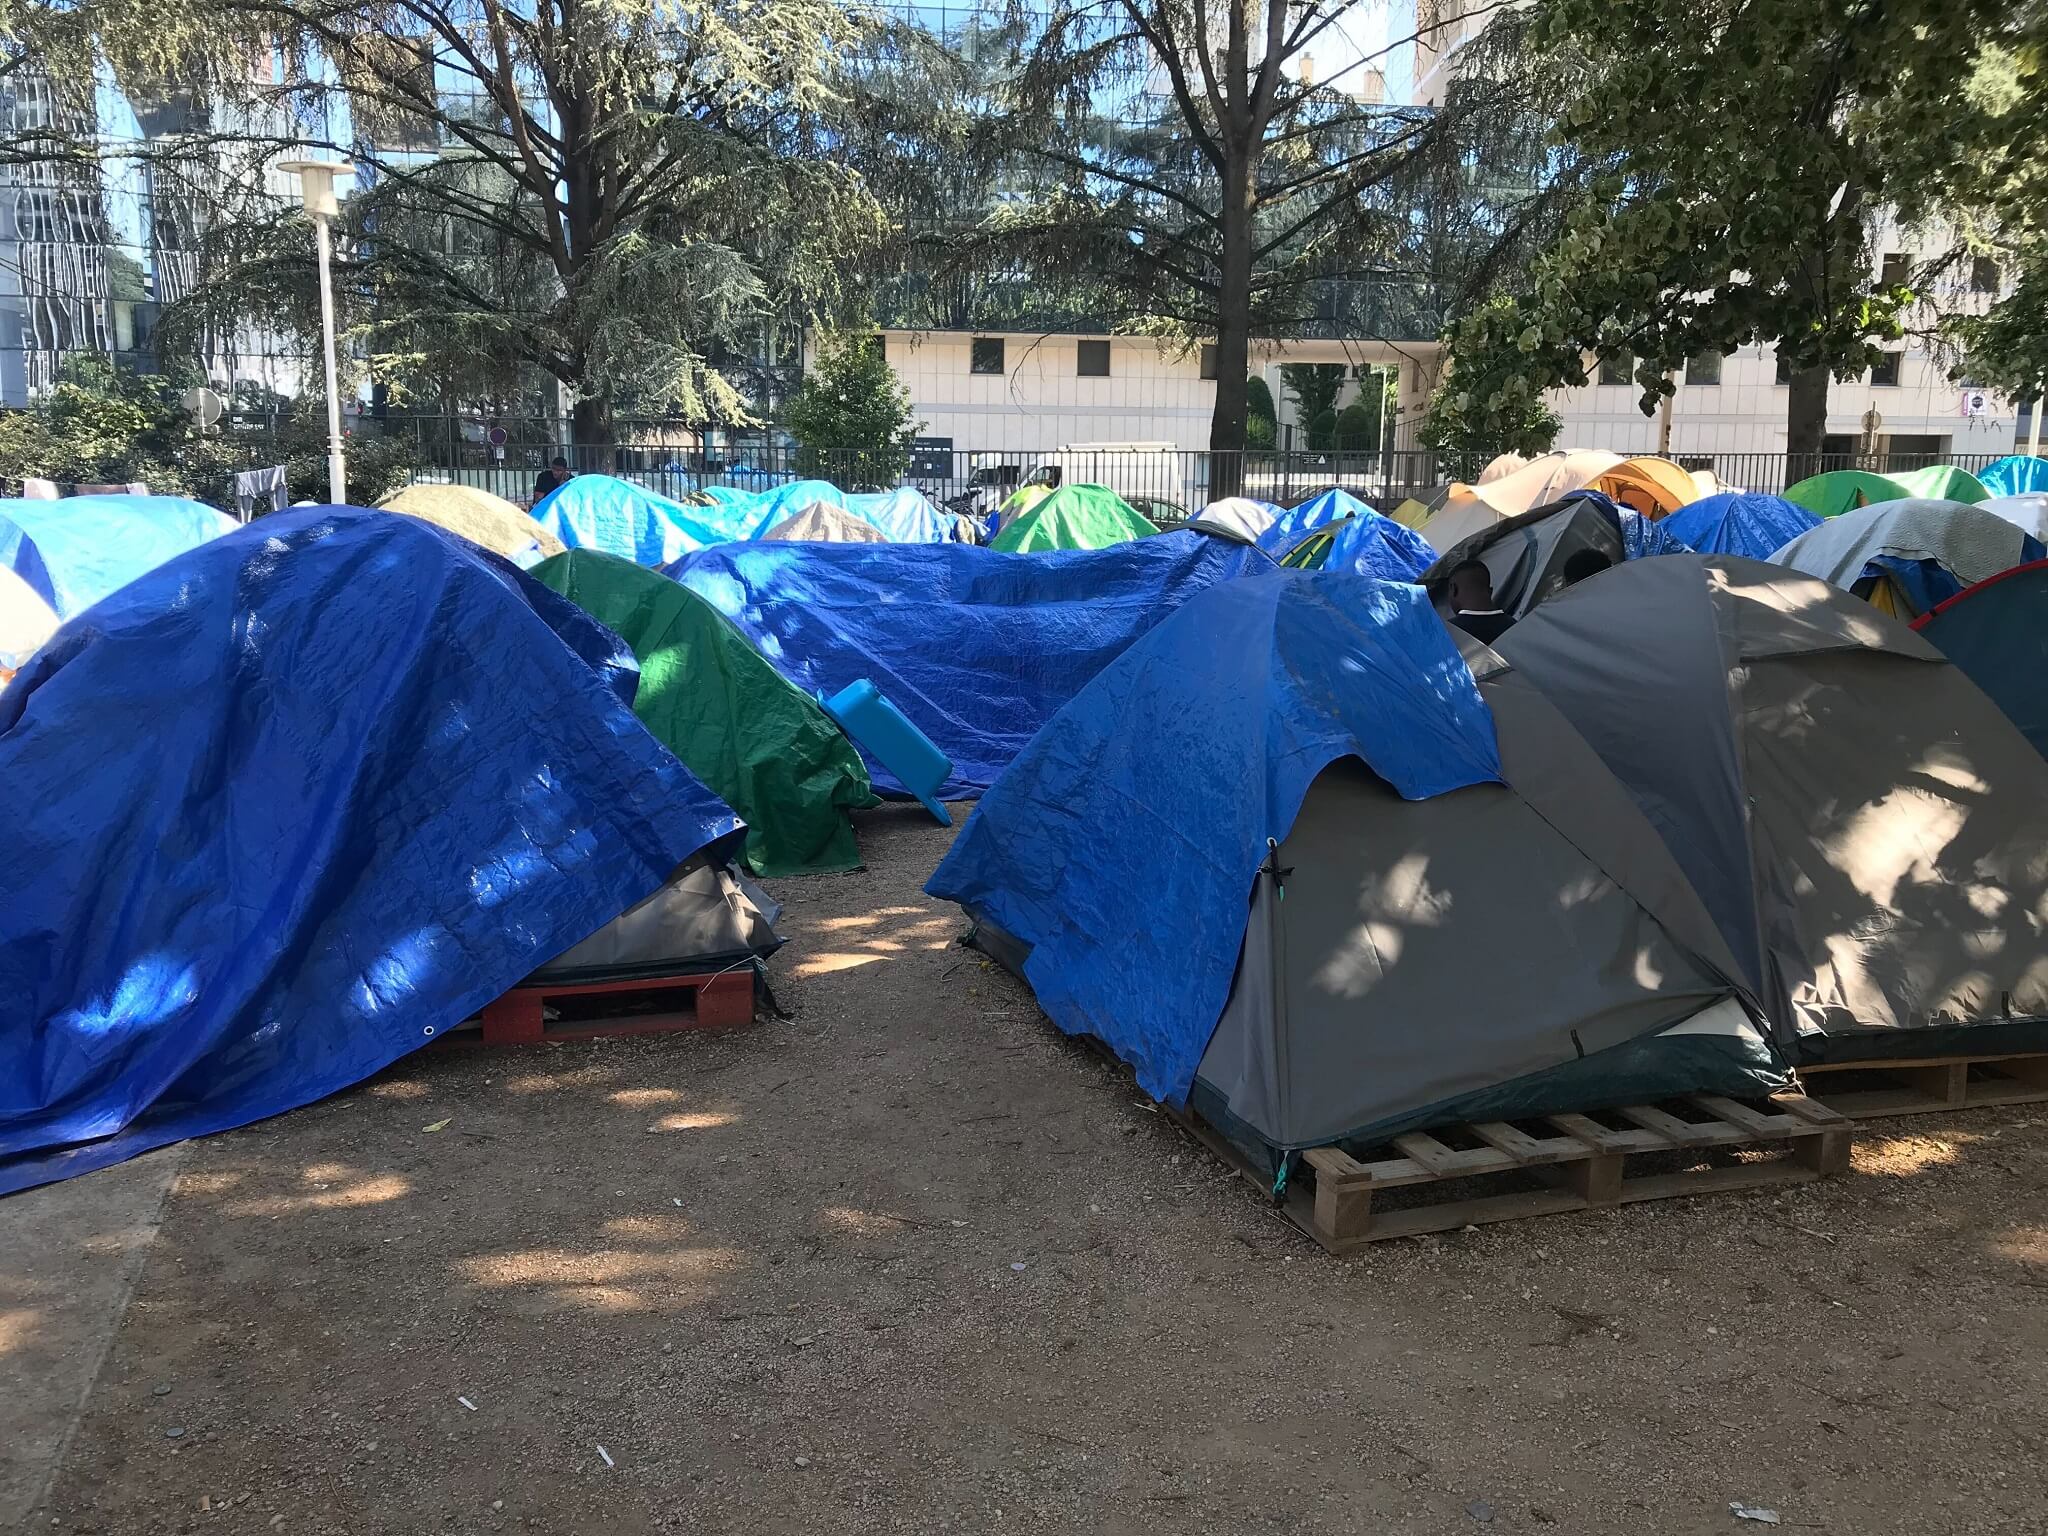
713 1000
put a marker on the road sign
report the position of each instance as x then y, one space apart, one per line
1976 402
498 437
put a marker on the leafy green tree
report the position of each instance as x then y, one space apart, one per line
619 198
1733 155
1467 432
1315 387
851 416
1187 164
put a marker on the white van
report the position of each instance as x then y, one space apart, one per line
1135 471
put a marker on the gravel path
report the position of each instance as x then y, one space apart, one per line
909 1261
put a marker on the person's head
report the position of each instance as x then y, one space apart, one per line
1583 563
1472 587
559 462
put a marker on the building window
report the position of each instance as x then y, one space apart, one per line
1703 368
1886 369
1897 271
1617 369
1983 275
1784 369
1208 359
987 354
1091 359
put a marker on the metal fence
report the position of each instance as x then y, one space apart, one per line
1167 483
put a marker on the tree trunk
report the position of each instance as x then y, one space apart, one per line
1233 330
1806 421
590 434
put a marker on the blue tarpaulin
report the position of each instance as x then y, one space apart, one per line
1299 669
2017 474
1368 544
907 516
630 521
74 551
1993 632
1290 526
1739 523
294 805
978 649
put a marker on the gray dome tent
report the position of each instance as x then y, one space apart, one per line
1411 946
1526 555
1869 832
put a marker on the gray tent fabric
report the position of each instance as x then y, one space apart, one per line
1868 831
821 523
1418 961
1964 539
707 914
1526 555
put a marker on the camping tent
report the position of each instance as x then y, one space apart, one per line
2017 474
1938 482
1304 517
1500 466
1526 555
489 521
365 778
26 621
626 519
1840 797
1653 486
2027 511
822 524
1073 517
1239 515
1908 556
759 743
1995 634
75 551
1470 509
1739 523
1476 922
907 516
1842 490
977 649
1366 543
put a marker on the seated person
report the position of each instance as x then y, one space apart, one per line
1473 607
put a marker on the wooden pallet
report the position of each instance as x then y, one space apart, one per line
1867 1090
1579 1161
712 1000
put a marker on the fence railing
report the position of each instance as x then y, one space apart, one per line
1164 483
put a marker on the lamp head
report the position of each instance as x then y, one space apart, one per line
316 184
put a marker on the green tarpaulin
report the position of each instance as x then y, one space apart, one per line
1074 517
1844 490
1940 482
709 697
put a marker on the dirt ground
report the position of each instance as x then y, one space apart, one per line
910 1261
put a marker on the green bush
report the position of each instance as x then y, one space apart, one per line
851 416
1357 428
105 425
1322 429
1261 419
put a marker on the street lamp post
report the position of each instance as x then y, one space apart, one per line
316 189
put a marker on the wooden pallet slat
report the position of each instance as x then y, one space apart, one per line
709 1000
1591 1165
1865 1090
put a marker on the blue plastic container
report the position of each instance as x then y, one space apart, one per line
881 730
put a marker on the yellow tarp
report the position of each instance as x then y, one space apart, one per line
483 519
